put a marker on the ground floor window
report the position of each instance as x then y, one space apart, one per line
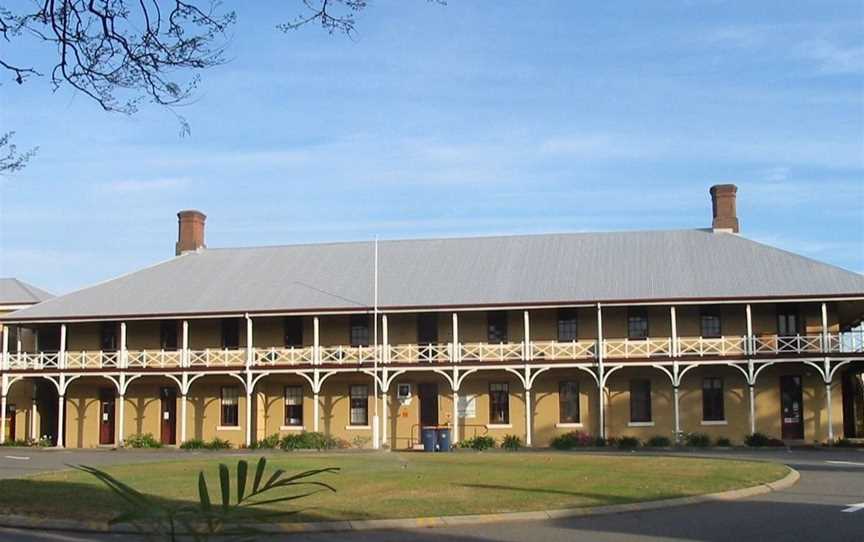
359 414
712 399
568 401
294 405
230 406
499 403
640 400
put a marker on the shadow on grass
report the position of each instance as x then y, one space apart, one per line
589 499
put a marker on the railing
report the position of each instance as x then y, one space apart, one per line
491 352
160 359
284 356
777 344
92 360
554 350
644 348
421 353
35 360
712 346
348 354
847 342
217 357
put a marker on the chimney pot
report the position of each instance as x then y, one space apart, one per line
190 234
723 198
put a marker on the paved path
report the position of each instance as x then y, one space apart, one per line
812 510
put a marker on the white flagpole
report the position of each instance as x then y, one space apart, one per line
376 428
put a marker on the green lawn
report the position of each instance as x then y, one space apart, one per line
398 485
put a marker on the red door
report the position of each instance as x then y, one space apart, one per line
791 407
106 416
169 415
10 423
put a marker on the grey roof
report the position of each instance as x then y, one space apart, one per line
16 292
523 269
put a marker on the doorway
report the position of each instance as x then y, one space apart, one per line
853 403
47 406
428 404
106 416
10 423
791 408
169 415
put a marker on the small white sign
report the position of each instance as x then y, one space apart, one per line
166 415
467 406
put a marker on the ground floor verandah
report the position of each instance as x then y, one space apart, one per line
788 400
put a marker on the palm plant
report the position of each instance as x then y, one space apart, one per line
239 518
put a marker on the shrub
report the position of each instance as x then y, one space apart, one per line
511 443
360 441
757 440
218 444
776 443
697 440
846 443
659 441
193 444
724 442
147 440
267 443
198 444
573 439
16 443
628 443
478 443
311 441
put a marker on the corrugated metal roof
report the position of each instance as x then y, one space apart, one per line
16 292
522 269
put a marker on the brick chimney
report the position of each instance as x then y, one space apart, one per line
723 206
190 234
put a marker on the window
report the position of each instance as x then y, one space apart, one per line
640 400
499 403
359 414
712 399
168 335
360 330
294 405
568 402
497 327
711 325
108 337
637 325
787 322
567 329
293 331
427 328
230 333
230 407
48 338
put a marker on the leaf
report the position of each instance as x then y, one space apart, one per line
203 493
225 485
242 468
259 473
273 478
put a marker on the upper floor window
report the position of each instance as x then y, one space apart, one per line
712 399
168 335
230 333
568 401
108 337
48 338
427 328
640 400
360 330
788 322
230 406
359 396
567 327
293 331
294 405
496 325
637 324
711 324
499 403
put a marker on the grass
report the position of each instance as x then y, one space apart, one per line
397 485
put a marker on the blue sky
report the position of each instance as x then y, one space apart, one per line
471 119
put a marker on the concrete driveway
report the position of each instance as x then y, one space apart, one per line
817 508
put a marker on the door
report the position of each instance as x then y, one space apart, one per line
428 404
853 403
106 416
169 415
10 423
791 407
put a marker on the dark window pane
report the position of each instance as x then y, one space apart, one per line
711 325
567 327
499 403
49 338
637 325
294 405
788 323
108 337
230 406
359 397
293 331
427 328
568 402
168 335
230 333
712 399
497 327
360 330
640 400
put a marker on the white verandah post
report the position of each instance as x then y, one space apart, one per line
828 378
123 363
751 384
249 356
184 362
385 394
526 352
454 357
3 381
316 360
601 380
677 413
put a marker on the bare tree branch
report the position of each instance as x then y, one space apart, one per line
10 159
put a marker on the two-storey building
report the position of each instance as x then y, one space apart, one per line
630 333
